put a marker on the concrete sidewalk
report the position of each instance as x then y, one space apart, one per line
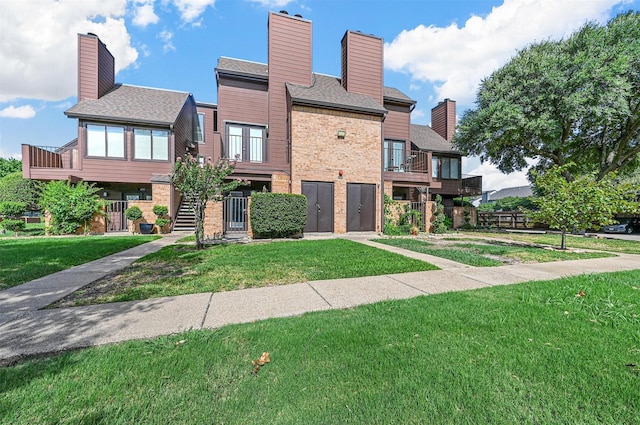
25 330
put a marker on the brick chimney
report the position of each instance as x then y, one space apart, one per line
443 119
289 62
362 64
96 69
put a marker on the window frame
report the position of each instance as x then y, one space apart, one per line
151 144
390 163
440 161
245 147
106 127
201 123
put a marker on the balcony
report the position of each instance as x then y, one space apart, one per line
65 157
246 149
471 185
410 167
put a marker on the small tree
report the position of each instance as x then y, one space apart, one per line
15 188
581 204
162 212
134 214
11 213
439 224
201 183
9 165
71 206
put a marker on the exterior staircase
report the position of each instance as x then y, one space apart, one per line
186 217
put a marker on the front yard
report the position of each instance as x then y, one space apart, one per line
562 351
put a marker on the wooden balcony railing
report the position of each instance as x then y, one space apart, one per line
246 149
52 157
397 160
471 185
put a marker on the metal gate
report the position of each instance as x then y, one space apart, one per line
235 214
116 219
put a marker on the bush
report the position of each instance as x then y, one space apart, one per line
71 206
278 215
12 225
12 209
160 210
133 213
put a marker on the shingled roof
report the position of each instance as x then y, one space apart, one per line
243 68
393 94
132 104
326 91
425 138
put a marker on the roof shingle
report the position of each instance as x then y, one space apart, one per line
425 138
132 104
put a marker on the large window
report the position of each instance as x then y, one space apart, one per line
246 143
105 141
445 168
199 130
151 144
394 155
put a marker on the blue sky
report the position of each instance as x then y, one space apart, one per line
434 49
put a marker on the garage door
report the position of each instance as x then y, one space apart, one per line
319 206
361 207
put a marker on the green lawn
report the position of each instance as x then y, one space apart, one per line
482 254
180 269
25 259
532 353
573 241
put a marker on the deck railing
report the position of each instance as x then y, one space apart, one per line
52 157
397 160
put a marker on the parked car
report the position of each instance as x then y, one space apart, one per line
625 225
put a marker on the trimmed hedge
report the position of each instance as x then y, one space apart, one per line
277 215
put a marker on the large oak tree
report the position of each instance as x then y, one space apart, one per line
574 100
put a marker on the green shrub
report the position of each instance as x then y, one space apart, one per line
12 209
278 215
71 205
12 225
160 210
133 213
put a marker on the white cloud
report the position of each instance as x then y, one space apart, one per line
167 45
494 179
39 57
454 59
272 3
6 154
23 112
143 13
417 114
190 10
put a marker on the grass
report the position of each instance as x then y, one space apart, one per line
31 229
488 255
573 241
180 269
529 353
25 259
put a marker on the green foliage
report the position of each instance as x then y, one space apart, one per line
400 221
12 209
9 166
12 225
441 223
71 206
508 204
201 183
278 215
574 100
581 204
13 187
133 213
160 210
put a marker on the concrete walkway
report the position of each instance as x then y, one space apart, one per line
26 330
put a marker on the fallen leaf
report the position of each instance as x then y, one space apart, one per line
581 294
182 341
257 364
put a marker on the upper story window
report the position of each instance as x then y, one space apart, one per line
246 143
105 141
445 168
199 130
394 155
151 144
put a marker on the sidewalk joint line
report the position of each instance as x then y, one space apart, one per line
206 311
406 284
319 294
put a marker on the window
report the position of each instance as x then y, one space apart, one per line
151 144
445 168
105 141
394 155
199 130
246 143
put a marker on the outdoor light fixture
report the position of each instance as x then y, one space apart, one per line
342 134
105 194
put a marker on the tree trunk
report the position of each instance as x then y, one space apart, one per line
563 244
200 207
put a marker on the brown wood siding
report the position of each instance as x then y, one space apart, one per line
397 124
96 69
363 60
443 119
289 61
106 69
183 128
449 187
242 102
211 146
87 67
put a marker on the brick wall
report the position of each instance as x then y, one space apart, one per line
279 183
147 214
213 222
317 154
